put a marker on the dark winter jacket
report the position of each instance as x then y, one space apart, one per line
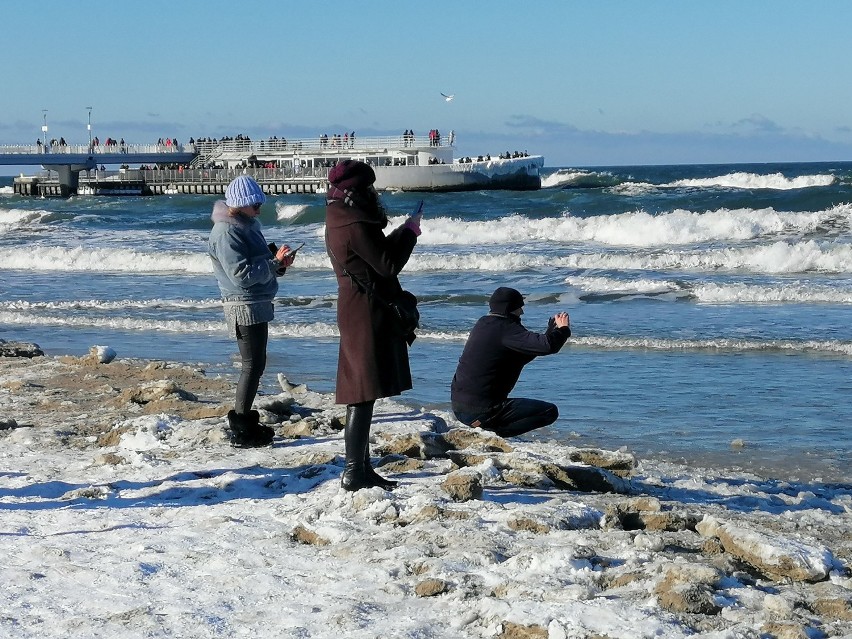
495 353
373 360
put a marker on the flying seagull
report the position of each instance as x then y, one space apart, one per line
448 98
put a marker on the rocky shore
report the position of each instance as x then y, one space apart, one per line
125 513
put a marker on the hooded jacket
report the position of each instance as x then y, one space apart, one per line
373 361
244 266
495 354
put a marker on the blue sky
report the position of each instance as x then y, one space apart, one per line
583 83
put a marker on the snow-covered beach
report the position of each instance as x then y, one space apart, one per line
125 513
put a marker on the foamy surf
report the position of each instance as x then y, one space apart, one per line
741 180
635 228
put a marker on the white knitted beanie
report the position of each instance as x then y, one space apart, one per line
244 191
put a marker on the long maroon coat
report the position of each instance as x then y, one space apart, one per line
373 360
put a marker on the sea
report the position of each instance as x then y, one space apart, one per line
711 305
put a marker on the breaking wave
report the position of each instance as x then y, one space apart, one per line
637 228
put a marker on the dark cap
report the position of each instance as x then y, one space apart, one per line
505 300
352 174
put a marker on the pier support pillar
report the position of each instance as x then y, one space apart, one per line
69 175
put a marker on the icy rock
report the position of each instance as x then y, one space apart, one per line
775 556
288 387
461 486
102 354
19 349
528 524
784 630
778 606
155 391
423 445
513 630
304 535
688 589
618 462
431 587
278 404
463 438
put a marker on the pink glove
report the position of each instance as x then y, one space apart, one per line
413 223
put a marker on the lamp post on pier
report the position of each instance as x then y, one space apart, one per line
44 128
90 128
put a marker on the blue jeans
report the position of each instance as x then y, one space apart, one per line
511 417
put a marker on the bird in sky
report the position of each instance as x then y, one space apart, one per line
448 98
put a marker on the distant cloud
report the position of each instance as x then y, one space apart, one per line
758 123
541 127
752 139
19 125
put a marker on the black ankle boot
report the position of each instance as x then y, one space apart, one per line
247 432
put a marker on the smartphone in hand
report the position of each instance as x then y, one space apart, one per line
293 251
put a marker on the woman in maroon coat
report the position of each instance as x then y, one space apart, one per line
373 358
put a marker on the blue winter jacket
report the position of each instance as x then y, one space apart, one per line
242 262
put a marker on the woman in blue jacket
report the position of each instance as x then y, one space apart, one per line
247 272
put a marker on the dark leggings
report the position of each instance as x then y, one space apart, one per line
252 343
512 417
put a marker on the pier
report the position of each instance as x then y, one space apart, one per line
279 165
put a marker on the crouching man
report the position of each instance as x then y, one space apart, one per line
495 353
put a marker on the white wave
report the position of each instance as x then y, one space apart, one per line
719 344
13 219
561 177
633 188
777 258
625 287
112 305
76 259
7 190
316 329
793 293
741 180
289 212
634 228
716 293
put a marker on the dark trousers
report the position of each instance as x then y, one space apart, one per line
251 341
511 417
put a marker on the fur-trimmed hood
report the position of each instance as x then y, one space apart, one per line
222 213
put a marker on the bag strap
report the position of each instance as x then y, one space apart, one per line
358 283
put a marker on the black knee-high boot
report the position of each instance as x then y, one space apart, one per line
358 472
356 437
373 477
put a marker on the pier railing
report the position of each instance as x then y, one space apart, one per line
217 148
85 149
203 176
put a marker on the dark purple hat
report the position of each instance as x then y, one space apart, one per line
352 175
505 300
